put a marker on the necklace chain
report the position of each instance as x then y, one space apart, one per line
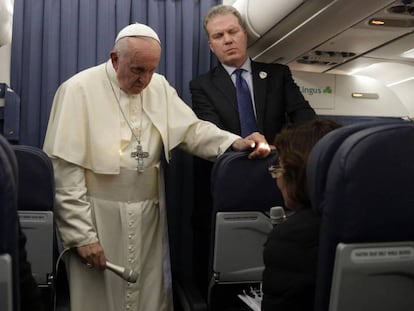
139 155
138 139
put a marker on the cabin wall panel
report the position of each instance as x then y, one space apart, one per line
332 95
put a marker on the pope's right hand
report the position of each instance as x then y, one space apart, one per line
92 255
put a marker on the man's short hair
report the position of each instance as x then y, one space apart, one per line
222 9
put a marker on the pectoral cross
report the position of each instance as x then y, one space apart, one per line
139 155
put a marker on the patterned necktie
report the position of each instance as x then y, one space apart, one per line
244 102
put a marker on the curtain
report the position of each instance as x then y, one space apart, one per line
54 39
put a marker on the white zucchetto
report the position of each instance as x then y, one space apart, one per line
137 30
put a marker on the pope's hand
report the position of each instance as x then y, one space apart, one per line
92 255
256 142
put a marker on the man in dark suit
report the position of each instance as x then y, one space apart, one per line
275 97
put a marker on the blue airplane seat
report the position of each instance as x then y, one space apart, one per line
241 184
36 197
323 154
243 193
361 180
9 264
36 179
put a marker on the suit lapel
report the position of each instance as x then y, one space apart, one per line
222 81
259 78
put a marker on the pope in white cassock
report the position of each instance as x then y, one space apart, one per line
107 129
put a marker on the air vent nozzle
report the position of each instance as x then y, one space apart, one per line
401 9
325 58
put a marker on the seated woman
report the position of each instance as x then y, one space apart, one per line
290 253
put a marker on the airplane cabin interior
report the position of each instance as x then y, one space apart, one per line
353 61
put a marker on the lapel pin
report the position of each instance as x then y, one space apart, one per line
262 74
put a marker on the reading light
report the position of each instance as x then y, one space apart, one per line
392 22
376 22
360 95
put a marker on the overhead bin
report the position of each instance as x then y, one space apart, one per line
305 26
260 17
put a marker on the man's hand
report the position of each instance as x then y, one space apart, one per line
256 142
92 255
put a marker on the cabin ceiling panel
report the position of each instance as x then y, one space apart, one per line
323 20
395 49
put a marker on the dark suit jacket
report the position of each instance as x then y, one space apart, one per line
290 258
278 99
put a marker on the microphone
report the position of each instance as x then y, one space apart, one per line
127 274
277 215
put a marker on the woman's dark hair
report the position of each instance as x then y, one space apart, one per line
294 144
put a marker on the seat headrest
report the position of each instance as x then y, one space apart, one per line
36 186
369 185
241 184
322 154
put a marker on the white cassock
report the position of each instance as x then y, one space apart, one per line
100 194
